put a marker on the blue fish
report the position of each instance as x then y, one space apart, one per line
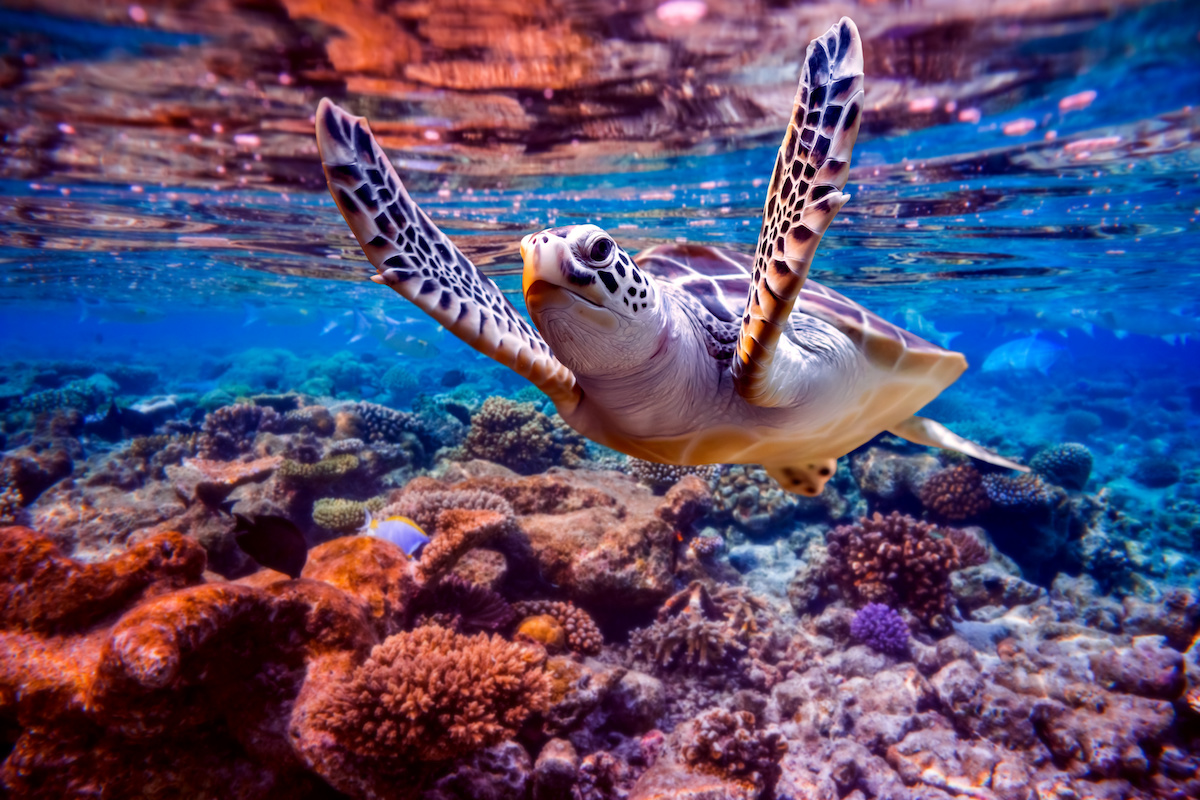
1021 355
400 531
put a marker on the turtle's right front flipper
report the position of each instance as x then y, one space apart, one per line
804 196
420 262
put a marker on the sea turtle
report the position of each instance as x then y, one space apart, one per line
686 354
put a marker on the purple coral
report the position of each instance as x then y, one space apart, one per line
881 628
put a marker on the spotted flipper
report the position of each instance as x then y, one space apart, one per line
420 262
806 479
920 430
804 196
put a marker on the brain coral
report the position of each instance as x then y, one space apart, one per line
955 493
431 694
895 560
1067 465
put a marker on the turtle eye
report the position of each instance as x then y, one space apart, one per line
601 249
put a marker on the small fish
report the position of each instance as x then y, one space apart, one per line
332 322
1030 353
389 333
1170 325
277 315
1058 320
918 324
274 542
104 311
400 531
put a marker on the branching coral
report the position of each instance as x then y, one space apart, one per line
971 550
881 628
431 694
582 634
660 477
955 493
1068 465
894 560
702 629
519 437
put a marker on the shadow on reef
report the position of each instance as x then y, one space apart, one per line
580 626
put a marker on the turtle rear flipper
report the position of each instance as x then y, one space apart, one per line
922 430
805 195
420 262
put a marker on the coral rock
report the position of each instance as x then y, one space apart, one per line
556 771
1149 668
372 570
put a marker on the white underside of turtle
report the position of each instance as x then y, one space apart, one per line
684 354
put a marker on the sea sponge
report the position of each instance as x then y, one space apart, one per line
881 628
1067 465
230 430
582 634
345 516
956 493
519 437
327 470
660 477
431 694
894 560
545 630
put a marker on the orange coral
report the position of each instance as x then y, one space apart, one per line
432 694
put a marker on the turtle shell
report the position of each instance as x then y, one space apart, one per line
720 281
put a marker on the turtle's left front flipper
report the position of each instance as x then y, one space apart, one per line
420 262
804 196
921 430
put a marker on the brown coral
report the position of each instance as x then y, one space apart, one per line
431 694
582 634
955 493
702 629
519 437
894 560
731 743
970 548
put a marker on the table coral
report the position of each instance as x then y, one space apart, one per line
895 560
955 493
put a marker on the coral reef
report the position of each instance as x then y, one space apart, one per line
520 437
661 477
429 695
894 560
955 493
229 431
702 629
1068 465
342 515
1024 494
706 546
582 634
882 629
731 743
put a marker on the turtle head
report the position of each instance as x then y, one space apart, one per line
597 310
